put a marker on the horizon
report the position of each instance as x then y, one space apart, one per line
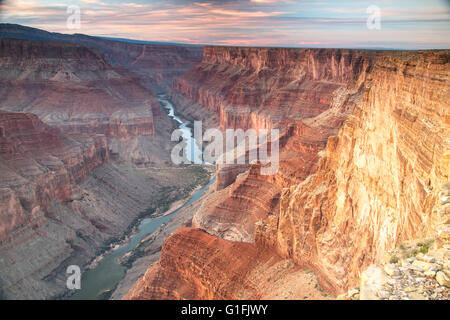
162 43
402 25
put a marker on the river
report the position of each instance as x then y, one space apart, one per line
108 273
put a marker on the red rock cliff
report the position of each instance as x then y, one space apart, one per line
38 167
235 270
305 93
364 155
265 87
379 179
154 64
72 87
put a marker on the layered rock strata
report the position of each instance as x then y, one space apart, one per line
306 94
379 179
235 270
154 64
72 87
61 200
68 181
371 179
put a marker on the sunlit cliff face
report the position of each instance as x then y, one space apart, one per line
356 178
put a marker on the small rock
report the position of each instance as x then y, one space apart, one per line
443 279
435 269
409 289
430 274
417 296
446 271
422 265
391 270
383 294
371 282
425 258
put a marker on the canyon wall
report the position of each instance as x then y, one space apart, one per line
268 87
39 166
306 94
73 88
379 179
236 270
74 129
363 157
154 64
76 90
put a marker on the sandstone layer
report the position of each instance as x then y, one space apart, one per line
379 179
63 198
364 157
154 64
39 165
306 94
74 129
234 270
72 87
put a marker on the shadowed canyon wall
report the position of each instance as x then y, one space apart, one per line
73 129
154 64
38 166
363 156
71 87
74 89
305 93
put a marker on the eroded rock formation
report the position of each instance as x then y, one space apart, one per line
364 155
306 94
72 130
39 165
235 270
73 88
154 64
379 179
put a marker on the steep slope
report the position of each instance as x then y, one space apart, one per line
373 178
267 87
306 94
72 87
73 180
379 180
235 270
155 64
38 166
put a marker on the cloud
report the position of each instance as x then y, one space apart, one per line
245 22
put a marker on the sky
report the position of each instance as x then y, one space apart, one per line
405 24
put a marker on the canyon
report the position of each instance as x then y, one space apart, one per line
154 64
85 154
364 158
364 167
